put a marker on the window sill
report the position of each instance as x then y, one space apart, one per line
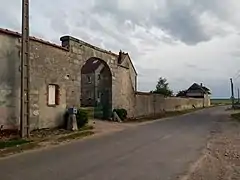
52 105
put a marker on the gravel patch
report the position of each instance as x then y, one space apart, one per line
221 159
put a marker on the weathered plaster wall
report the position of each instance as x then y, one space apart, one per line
133 74
207 100
9 81
149 104
53 64
125 93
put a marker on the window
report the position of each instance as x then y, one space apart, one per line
53 95
99 94
89 94
89 79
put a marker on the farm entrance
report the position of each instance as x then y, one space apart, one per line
96 88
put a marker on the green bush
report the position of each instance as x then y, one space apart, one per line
122 113
81 116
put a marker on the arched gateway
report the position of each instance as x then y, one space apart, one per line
96 87
98 69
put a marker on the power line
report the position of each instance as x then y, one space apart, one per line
237 75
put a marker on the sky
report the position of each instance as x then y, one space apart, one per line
185 41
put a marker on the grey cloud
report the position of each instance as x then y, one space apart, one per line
10 17
59 23
9 21
235 54
196 67
180 20
219 88
216 7
111 7
79 33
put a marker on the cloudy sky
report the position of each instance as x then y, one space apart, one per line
184 41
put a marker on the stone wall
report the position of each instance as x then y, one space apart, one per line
9 82
85 51
61 66
125 93
52 64
147 104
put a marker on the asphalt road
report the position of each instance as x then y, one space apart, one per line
160 150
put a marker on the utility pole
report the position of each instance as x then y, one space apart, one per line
24 118
232 92
238 95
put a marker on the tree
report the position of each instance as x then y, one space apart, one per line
162 87
181 93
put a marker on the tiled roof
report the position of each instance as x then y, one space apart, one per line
196 86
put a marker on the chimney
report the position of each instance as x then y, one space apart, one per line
120 57
68 41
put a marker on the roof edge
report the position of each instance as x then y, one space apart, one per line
71 38
17 34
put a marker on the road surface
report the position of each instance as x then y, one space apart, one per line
160 150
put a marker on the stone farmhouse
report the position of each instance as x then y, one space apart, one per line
197 91
74 73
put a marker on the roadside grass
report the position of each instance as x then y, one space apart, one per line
18 149
236 116
13 142
87 127
77 135
17 145
163 115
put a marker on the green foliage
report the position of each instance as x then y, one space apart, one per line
78 135
12 143
236 116
162 87
181 93
122 113
81 116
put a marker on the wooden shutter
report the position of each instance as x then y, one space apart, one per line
51 94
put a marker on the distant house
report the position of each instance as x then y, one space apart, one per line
197 91
95 79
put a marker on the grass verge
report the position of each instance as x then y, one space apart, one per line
77 135
236 116
87 127
13 142
163 115
17 149
13 146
